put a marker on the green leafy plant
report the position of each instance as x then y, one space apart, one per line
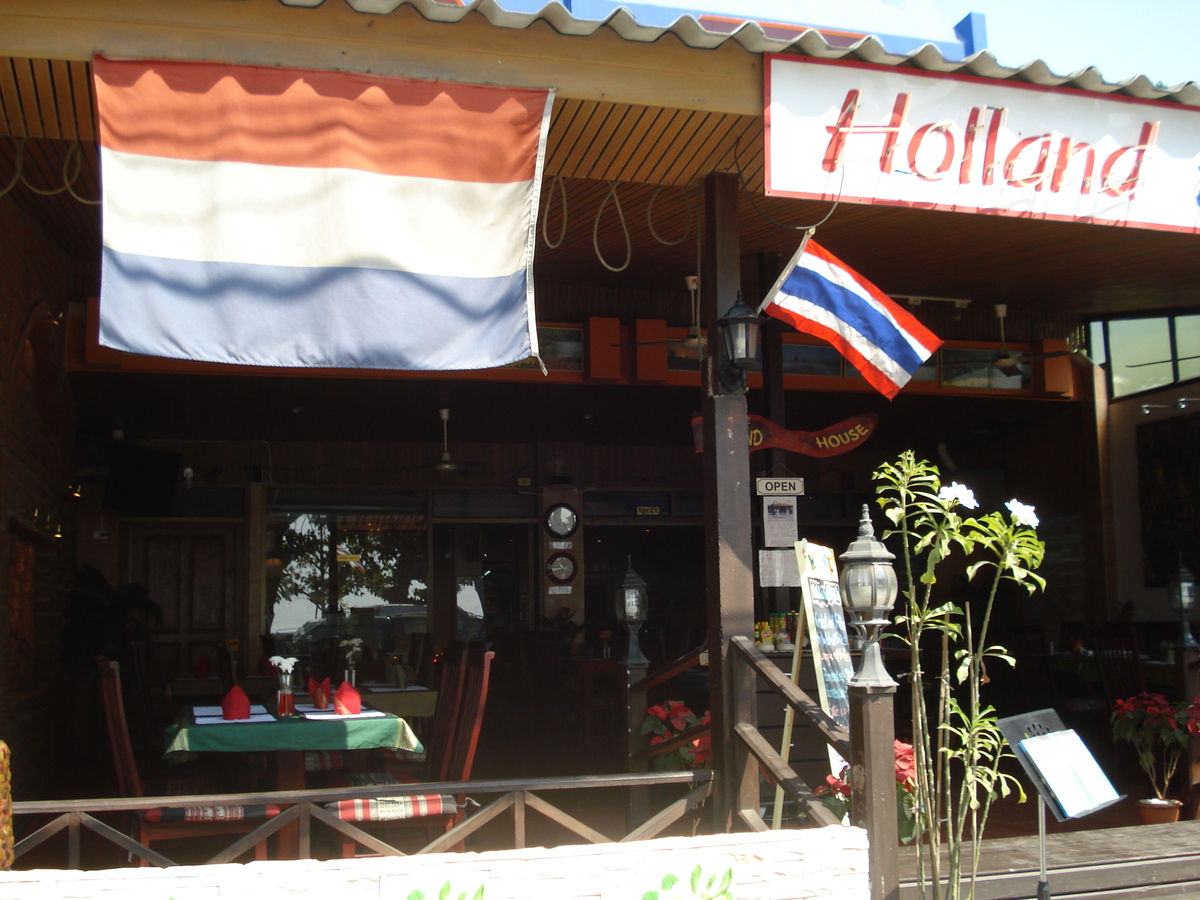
958 746
1159 730
714 889
444 894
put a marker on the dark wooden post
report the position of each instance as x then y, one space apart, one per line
636 705
873 779
728 545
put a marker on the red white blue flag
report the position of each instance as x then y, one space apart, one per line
822 296
287 217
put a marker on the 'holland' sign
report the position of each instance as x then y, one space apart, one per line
875 134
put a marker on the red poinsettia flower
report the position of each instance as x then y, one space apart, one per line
658 712
678 714
906 766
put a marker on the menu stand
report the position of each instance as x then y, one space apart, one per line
1067 777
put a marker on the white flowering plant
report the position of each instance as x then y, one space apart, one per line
958 746
354 650
284 664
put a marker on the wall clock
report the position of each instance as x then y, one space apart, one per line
562 520
561 568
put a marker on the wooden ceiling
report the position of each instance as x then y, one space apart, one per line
654 159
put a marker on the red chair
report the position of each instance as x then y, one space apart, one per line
452 763
166 823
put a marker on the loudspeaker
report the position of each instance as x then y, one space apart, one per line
141 482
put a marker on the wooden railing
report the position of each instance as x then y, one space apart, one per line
303 807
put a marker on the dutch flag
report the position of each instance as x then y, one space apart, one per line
287 217
822 296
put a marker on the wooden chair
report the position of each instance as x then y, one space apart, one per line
429 811
420 658
165 823
1118 662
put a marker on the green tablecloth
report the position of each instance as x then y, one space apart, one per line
299 733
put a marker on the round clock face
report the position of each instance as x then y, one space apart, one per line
562 520
560 568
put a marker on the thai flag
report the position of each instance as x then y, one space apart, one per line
286 217
822 296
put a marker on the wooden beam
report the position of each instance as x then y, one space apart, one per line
601 67
728 546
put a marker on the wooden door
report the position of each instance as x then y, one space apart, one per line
194 574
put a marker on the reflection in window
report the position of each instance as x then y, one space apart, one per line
978 369
323 566
1187 346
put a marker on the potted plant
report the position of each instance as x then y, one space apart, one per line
1160 731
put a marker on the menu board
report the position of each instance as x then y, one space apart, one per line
827 634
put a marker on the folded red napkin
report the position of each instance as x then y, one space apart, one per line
319 693
347 702
236 704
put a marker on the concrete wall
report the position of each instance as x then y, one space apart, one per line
784 865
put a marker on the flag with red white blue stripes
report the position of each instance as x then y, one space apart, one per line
270 216
822 296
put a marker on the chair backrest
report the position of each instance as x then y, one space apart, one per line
420 657
226 667
128 782
439 749
470 715
1035 674
1118 662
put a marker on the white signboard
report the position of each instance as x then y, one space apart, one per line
875 134
779 487
779 521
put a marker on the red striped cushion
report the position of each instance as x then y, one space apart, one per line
323 761
391 809
210 813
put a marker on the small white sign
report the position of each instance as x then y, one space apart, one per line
561 545
779 521
779 487
561 589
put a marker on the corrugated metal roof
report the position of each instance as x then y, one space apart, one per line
752 38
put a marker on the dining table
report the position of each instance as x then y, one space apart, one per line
410 702
201 729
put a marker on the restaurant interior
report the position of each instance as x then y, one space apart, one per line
192 520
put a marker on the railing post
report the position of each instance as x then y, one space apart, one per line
743 770
873 781
636 702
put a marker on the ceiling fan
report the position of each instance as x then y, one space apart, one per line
1009 363
695 344
447 464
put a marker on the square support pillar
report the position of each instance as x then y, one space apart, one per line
728 545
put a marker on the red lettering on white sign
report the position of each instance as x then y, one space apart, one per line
845 126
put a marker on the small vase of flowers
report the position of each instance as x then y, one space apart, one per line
1160 732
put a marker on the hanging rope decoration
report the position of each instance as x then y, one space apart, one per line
69 175
687 202
612 192
754 203
562 192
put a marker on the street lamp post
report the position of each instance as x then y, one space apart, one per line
869 590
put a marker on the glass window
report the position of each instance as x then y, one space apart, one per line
336 574
1096 348
1140 354
1187 346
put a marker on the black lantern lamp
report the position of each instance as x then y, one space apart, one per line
1183 600
739 330
869 591
632 609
